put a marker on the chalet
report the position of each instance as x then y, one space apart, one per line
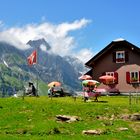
120 59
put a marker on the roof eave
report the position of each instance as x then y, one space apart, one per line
99 55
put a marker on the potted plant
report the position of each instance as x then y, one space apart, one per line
134 79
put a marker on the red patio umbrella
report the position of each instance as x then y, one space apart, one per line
85 77
107 78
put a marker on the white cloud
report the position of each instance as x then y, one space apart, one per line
56 35
64 28
84 55
43 48
13 40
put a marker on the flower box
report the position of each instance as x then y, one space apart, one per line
134 79
120 59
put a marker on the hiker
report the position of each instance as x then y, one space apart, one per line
86 95
31 91
96 94
51 91
62 92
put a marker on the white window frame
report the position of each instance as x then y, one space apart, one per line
111 74
122 56
134 76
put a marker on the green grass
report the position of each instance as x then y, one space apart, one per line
34 118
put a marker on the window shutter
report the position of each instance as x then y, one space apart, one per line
104 73
103 81
116 77
114 57
128 77
126 57
139 76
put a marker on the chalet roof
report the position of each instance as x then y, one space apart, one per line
89 72
118 40
110 46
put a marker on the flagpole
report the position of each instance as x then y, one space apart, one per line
37 78
33 59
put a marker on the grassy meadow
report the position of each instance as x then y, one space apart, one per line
35 118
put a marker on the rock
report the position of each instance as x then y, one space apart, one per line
122 129
112 117
66 118
125 117
135 117
92 132
132 117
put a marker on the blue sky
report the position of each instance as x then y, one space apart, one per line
87 26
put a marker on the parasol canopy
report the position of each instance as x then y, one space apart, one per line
54 83
90 83
85 77
107 78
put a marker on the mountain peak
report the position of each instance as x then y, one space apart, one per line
38 43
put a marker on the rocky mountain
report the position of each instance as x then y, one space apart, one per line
15 73
53 67
39 42
77 64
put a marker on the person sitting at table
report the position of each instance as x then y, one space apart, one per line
96 94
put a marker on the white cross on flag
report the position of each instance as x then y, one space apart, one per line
32 59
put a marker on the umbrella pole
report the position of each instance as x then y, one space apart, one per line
51 95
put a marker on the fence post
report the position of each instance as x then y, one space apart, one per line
23 94
74 97
130 98
136 98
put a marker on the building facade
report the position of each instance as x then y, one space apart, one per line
120 59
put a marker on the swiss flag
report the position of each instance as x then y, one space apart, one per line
32 59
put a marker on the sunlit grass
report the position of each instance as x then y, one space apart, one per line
35 118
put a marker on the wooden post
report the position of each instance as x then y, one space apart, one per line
74 97
23 94
130 98
37 77
136 98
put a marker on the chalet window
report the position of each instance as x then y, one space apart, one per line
110 73
120 57
133 77
114 74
